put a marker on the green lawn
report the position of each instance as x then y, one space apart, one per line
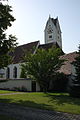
6 91
50 101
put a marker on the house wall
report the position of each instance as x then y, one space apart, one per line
11 67
16 82
12 84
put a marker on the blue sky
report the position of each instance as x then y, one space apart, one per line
32 15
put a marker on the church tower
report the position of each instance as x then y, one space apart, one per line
52 32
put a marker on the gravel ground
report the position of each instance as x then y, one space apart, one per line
25 113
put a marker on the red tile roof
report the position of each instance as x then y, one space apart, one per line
66 68
20 51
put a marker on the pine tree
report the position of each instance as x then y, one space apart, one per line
75 88
76 63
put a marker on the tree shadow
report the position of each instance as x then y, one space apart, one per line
62 98
26 103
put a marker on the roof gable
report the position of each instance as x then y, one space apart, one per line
67 67
20 51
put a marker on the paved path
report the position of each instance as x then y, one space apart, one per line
25 113
13 93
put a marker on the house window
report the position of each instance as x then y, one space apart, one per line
50 36
8 73
15 72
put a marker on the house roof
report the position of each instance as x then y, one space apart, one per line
20 51
66 68
48 45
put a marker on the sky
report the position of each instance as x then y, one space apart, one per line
32 15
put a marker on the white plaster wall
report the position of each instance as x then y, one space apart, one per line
47 39
11 66
55 33
11 84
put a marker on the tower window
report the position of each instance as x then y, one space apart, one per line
50 36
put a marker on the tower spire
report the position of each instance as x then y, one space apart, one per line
49 16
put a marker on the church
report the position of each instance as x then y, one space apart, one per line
10 76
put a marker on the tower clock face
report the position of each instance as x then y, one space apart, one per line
50 30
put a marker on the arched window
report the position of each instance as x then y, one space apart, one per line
8 73
15 72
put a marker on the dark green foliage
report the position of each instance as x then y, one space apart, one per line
5 17
42 66
77 67
59 82
6 43
23 73
75 90
75 87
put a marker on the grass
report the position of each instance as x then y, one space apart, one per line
50 101
6 92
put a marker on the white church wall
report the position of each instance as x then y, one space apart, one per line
56 33
12 84
47 39
11 67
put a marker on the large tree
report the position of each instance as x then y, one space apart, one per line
6 43
76 63
75 87
42 66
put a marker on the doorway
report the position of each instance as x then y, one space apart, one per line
33 86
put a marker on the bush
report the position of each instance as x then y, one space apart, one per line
75 90
59 83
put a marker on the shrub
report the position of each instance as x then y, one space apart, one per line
74 90
60 82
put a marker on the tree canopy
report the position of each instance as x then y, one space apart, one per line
6 43
42 66
76 63
75 87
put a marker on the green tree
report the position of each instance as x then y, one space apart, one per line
23 73
60 82
42 66
76 63
6 43
75 88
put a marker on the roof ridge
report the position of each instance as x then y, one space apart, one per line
28 43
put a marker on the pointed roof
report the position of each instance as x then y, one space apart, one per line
21 50
54 21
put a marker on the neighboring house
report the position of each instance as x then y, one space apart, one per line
68 68
12 72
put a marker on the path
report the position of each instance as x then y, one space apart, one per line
25 113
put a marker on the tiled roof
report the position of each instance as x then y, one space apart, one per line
20 51
66 68
48 45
